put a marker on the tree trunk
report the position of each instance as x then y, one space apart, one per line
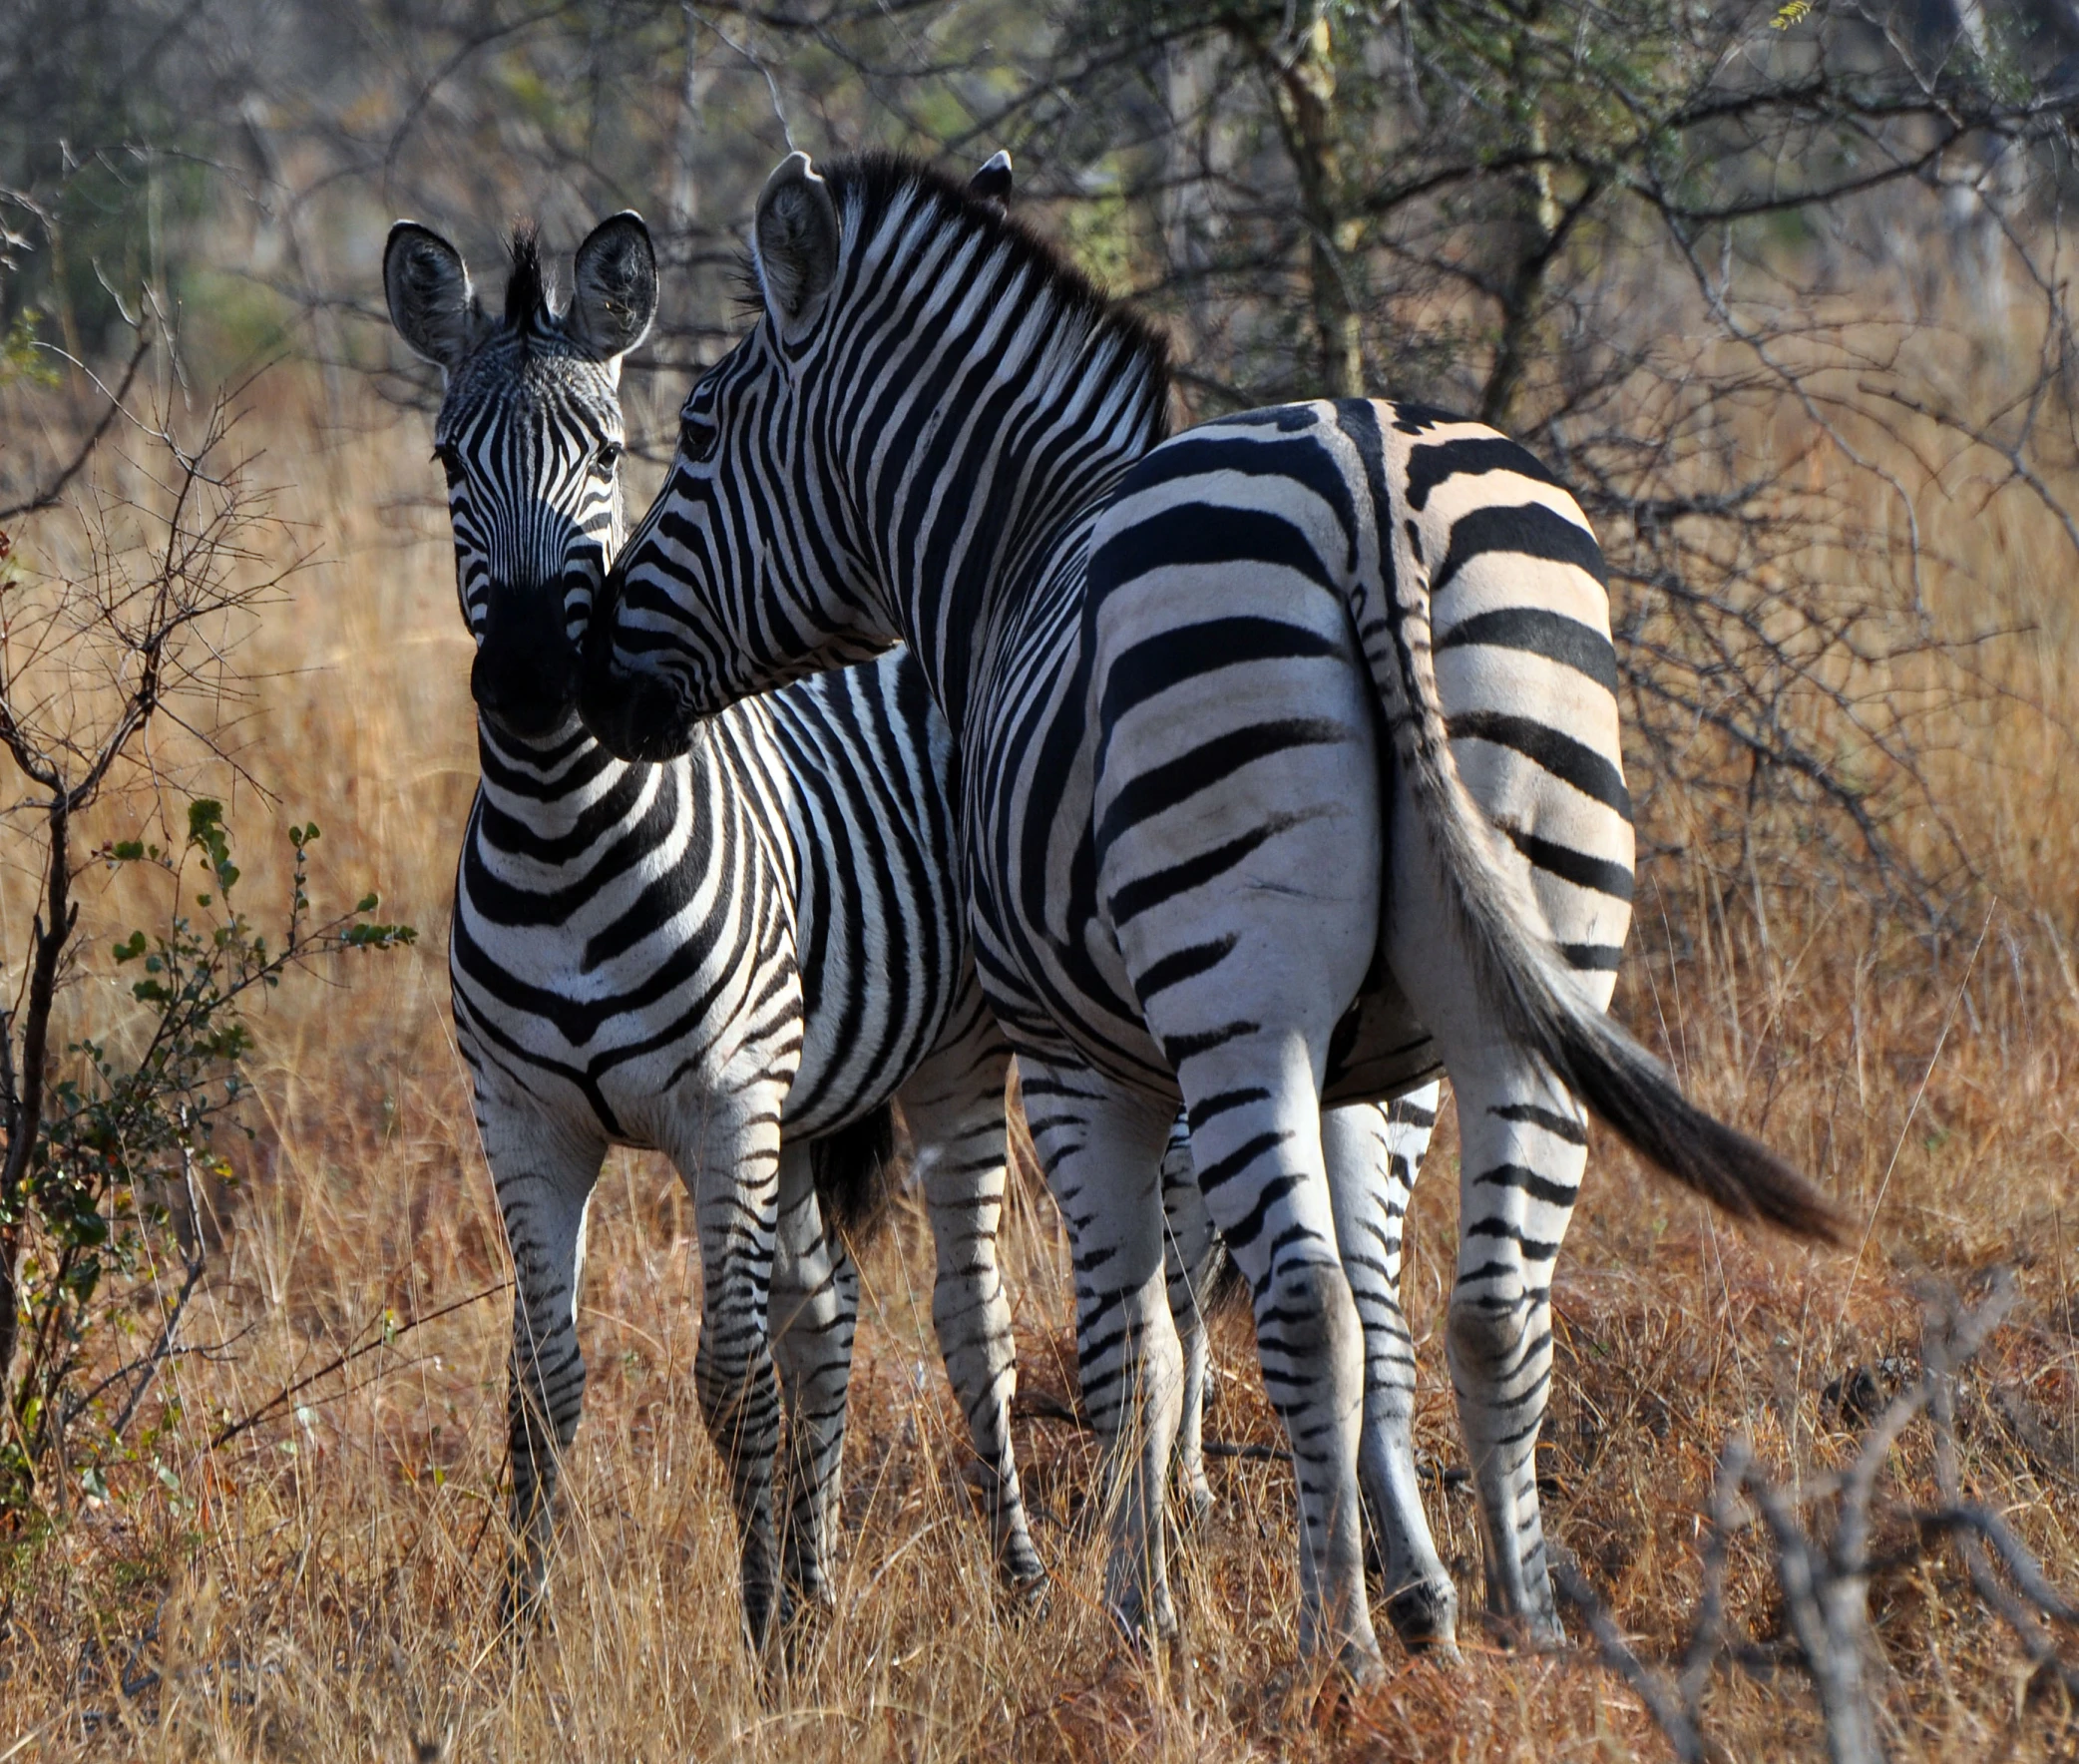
1301 74
25 1087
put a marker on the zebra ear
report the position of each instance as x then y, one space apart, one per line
993 181
794 240
616 290
432 303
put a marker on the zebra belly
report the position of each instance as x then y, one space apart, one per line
1380 1049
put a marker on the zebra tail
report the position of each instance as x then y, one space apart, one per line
856 1174
1223 1289
1523 982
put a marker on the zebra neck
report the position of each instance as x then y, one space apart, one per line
552 785
986 539
1023 413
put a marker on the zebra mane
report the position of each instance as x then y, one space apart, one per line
527 291
880 180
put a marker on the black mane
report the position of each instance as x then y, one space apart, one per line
527 294
881 178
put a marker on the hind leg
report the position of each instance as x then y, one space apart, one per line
815 1310
1103 1151
955 1108
1374 1154
1257 1147
1523 1152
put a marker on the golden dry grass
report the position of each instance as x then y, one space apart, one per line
320 1588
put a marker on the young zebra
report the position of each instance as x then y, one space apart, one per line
724 956
1289 772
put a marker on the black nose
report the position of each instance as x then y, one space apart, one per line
525 671
633 715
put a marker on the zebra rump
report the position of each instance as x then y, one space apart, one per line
1525 984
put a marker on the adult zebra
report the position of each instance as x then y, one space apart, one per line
1289 772
736 956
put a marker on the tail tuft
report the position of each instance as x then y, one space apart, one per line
1639 1098
857 1175
1225 1289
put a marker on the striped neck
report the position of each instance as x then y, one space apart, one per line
979 402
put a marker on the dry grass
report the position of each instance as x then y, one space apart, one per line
320 1588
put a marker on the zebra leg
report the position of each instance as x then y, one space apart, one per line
815 1308
1374 1154
1103 1151
543 1175
732 1169
1256 1135
1190 1260
1524 1152
954 1104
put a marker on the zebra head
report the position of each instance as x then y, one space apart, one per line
529 435
752 568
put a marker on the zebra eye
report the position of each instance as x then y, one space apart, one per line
609 456
449 463
697 437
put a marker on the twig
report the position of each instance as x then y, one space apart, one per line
227 1433
1663 1702
48 497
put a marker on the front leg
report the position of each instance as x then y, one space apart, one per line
955 1106
729 1159
543 1170
1103 1153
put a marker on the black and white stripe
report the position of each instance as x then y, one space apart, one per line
1290 774
1374 1154
728 956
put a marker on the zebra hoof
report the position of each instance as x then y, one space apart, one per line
1361 1663
1195 1504
1424 1617
522 1601
1023 1577
1527 1632
1026 1596
1143 1624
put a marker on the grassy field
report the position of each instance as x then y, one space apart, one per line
319 1587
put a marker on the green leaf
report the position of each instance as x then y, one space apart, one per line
127 850
379 936
130 947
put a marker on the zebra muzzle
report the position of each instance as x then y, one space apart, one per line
526 673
